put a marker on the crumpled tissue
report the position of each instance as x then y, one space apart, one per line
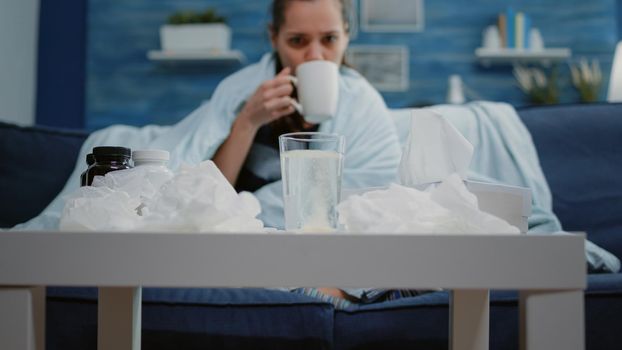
446 208
196 199
434 150
201 199
142 182
99 209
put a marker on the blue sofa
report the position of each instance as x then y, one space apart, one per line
580 149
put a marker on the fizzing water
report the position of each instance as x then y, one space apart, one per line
311 189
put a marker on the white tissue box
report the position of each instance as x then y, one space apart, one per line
511 203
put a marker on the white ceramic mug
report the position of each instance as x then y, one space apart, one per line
318 90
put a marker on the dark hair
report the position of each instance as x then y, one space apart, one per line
278 13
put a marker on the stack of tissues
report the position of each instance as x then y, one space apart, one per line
196 199
432 197
446 208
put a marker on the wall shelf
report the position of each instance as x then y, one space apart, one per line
196 57
545 57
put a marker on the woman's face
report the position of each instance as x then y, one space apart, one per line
313 30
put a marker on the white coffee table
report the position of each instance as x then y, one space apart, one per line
549 271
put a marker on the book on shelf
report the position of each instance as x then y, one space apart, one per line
511 28
502 26
514 29
519 30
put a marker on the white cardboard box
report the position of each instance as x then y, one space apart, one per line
511 203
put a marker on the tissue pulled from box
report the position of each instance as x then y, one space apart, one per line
446 208
434 150
196 199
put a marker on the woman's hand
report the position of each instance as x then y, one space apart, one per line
270 101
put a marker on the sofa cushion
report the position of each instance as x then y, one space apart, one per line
580 152
36 162
240 318
199 318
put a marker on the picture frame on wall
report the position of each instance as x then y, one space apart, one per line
392 15
385 67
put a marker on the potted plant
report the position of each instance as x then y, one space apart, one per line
193 30
540 88
587 79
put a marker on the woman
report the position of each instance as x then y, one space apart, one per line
239 127
301 31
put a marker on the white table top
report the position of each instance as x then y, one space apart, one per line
272 260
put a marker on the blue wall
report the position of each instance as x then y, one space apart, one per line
124 87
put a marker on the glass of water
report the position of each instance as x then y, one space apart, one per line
311 167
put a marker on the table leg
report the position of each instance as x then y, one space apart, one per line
38 307
469 319
119 318
22 318
552 320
